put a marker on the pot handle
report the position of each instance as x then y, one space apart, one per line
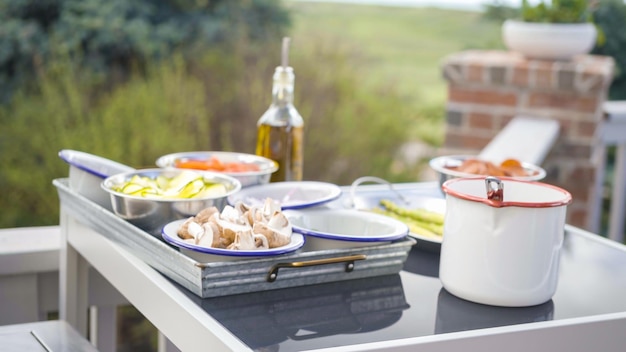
495 188
364 179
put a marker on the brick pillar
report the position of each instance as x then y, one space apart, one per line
486 89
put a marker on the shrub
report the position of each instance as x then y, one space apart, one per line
558 11
610 17
212 102
110 36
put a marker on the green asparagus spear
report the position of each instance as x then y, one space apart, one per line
417 214
424 232
418 227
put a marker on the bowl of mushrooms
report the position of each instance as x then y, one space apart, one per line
234 233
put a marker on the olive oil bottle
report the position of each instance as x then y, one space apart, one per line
280 129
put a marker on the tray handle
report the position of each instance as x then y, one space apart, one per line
349 260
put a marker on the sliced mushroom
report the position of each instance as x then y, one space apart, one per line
244 240
241 207
277 230
204 214
217 236
260 241
232 215
207 237
270 207
183 231
228 229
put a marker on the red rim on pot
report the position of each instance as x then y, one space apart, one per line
498 197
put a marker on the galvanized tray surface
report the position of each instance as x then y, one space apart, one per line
234 277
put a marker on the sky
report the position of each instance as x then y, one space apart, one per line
476 5
473 5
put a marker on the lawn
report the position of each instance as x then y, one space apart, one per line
396 46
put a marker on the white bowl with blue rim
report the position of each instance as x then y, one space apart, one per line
209 254
289 194
87 171
327 228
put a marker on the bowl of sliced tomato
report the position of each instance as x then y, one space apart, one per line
249 169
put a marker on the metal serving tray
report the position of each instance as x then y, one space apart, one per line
233 277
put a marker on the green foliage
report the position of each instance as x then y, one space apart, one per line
135 332
374 97
175 105
111 36
610 18
499 12
558 11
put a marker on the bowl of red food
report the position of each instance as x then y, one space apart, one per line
456 166
249 169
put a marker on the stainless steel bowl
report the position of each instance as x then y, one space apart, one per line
152 214
248 178
441 164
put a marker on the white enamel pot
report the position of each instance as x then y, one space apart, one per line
502 240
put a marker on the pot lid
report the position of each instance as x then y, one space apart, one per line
507 192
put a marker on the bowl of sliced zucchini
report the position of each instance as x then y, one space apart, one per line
151 198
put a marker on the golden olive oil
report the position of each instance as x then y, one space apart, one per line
284 145
280 129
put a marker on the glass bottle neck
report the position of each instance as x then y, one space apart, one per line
282 89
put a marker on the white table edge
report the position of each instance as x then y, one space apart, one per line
164 305
201 330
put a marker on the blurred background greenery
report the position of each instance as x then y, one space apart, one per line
133 80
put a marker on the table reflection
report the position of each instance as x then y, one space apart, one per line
456 314
264 319
422 262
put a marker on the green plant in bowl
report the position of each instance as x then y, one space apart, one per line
557 11
558 30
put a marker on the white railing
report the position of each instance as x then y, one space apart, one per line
613 133
29 285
